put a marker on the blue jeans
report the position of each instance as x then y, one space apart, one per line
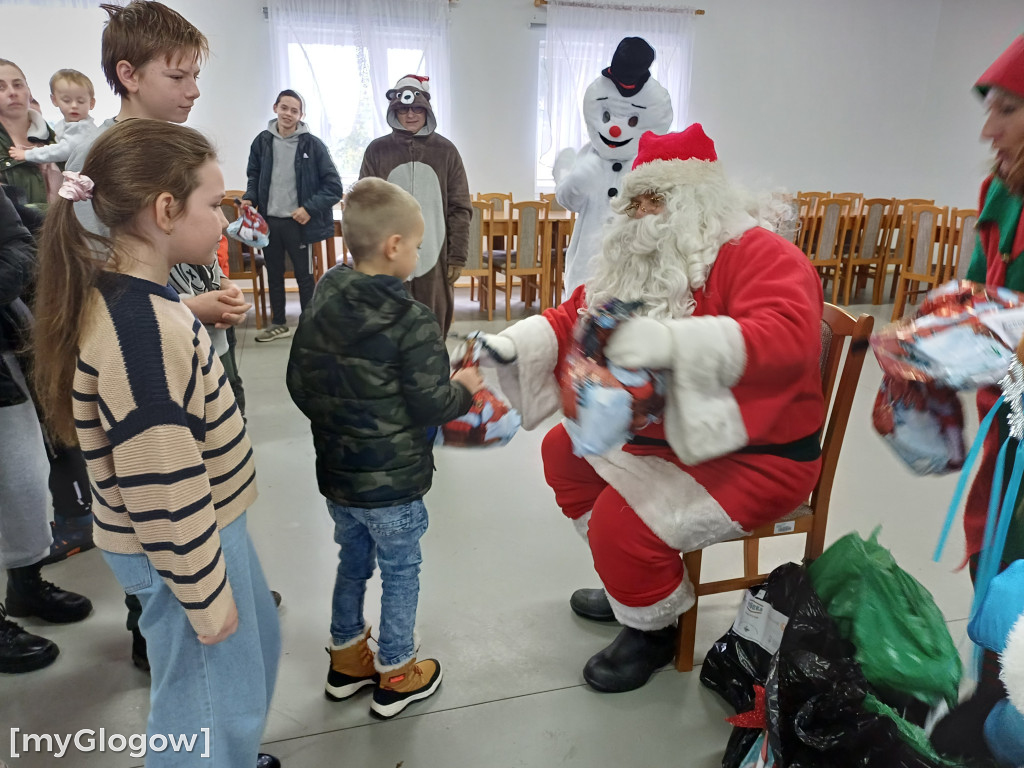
389 537
225 687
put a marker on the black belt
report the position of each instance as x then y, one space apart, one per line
803 449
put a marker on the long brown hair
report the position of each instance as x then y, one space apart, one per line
131 165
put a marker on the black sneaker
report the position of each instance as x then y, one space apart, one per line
69 540
21 651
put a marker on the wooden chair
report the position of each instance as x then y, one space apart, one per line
839 331
925 244
870 244
826 253
561 234
896 254
962 225
856 200
809 220
478 260
500 202
246 263
529 259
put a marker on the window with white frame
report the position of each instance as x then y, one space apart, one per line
343 56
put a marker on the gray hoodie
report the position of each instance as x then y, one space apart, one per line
284 191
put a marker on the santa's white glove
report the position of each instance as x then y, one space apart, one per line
640 342
489 349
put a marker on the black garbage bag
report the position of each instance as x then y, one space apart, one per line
740 658
821 709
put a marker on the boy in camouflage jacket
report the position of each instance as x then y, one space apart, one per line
369 369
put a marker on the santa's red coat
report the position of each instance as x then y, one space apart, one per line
746 372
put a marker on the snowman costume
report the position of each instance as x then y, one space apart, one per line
618 108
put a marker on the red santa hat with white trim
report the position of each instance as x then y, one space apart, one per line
670 160
1006 72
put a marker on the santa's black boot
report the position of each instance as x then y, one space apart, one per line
630 660
21 651
591 604
29 595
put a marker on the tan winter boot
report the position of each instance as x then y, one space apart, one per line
402 685
351 668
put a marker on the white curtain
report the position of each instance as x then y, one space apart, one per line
581 38
343 55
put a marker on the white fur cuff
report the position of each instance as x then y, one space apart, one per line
529 383
658 616
354 641
582 525
1012 660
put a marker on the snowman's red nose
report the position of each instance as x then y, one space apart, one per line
615 131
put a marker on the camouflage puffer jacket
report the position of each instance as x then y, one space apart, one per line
369 369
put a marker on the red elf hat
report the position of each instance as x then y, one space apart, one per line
1006 72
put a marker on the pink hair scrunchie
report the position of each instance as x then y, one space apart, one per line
76 187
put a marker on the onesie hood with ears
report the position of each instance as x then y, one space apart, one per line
411 91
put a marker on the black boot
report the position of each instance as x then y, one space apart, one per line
264 760
29 595
21 651
591 604
630 660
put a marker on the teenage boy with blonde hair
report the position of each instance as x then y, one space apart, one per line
369 369
72 93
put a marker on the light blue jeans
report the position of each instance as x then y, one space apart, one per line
389 537
225 687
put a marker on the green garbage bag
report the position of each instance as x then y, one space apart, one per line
902 642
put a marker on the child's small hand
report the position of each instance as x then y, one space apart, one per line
226 631
17 153
470 378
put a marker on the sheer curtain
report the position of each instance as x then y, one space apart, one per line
581 38
343 55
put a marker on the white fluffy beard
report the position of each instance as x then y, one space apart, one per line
655 260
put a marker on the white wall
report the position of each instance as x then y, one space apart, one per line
235 84
848 95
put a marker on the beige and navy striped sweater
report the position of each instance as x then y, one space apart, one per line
168 455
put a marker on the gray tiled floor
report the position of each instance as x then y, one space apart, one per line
499 565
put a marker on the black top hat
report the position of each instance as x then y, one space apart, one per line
631 65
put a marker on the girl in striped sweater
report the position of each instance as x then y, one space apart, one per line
126 368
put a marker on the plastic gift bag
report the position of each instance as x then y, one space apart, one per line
249 228
760 753
740 658
922 422
490 420
819 705
605 404
962 337
903 645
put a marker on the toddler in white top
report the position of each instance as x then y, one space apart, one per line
72 93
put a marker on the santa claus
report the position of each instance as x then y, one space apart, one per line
732 313
618 107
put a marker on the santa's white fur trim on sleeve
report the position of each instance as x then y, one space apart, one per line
676 508
662 614
582 525
529 383
702 418
1012 660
